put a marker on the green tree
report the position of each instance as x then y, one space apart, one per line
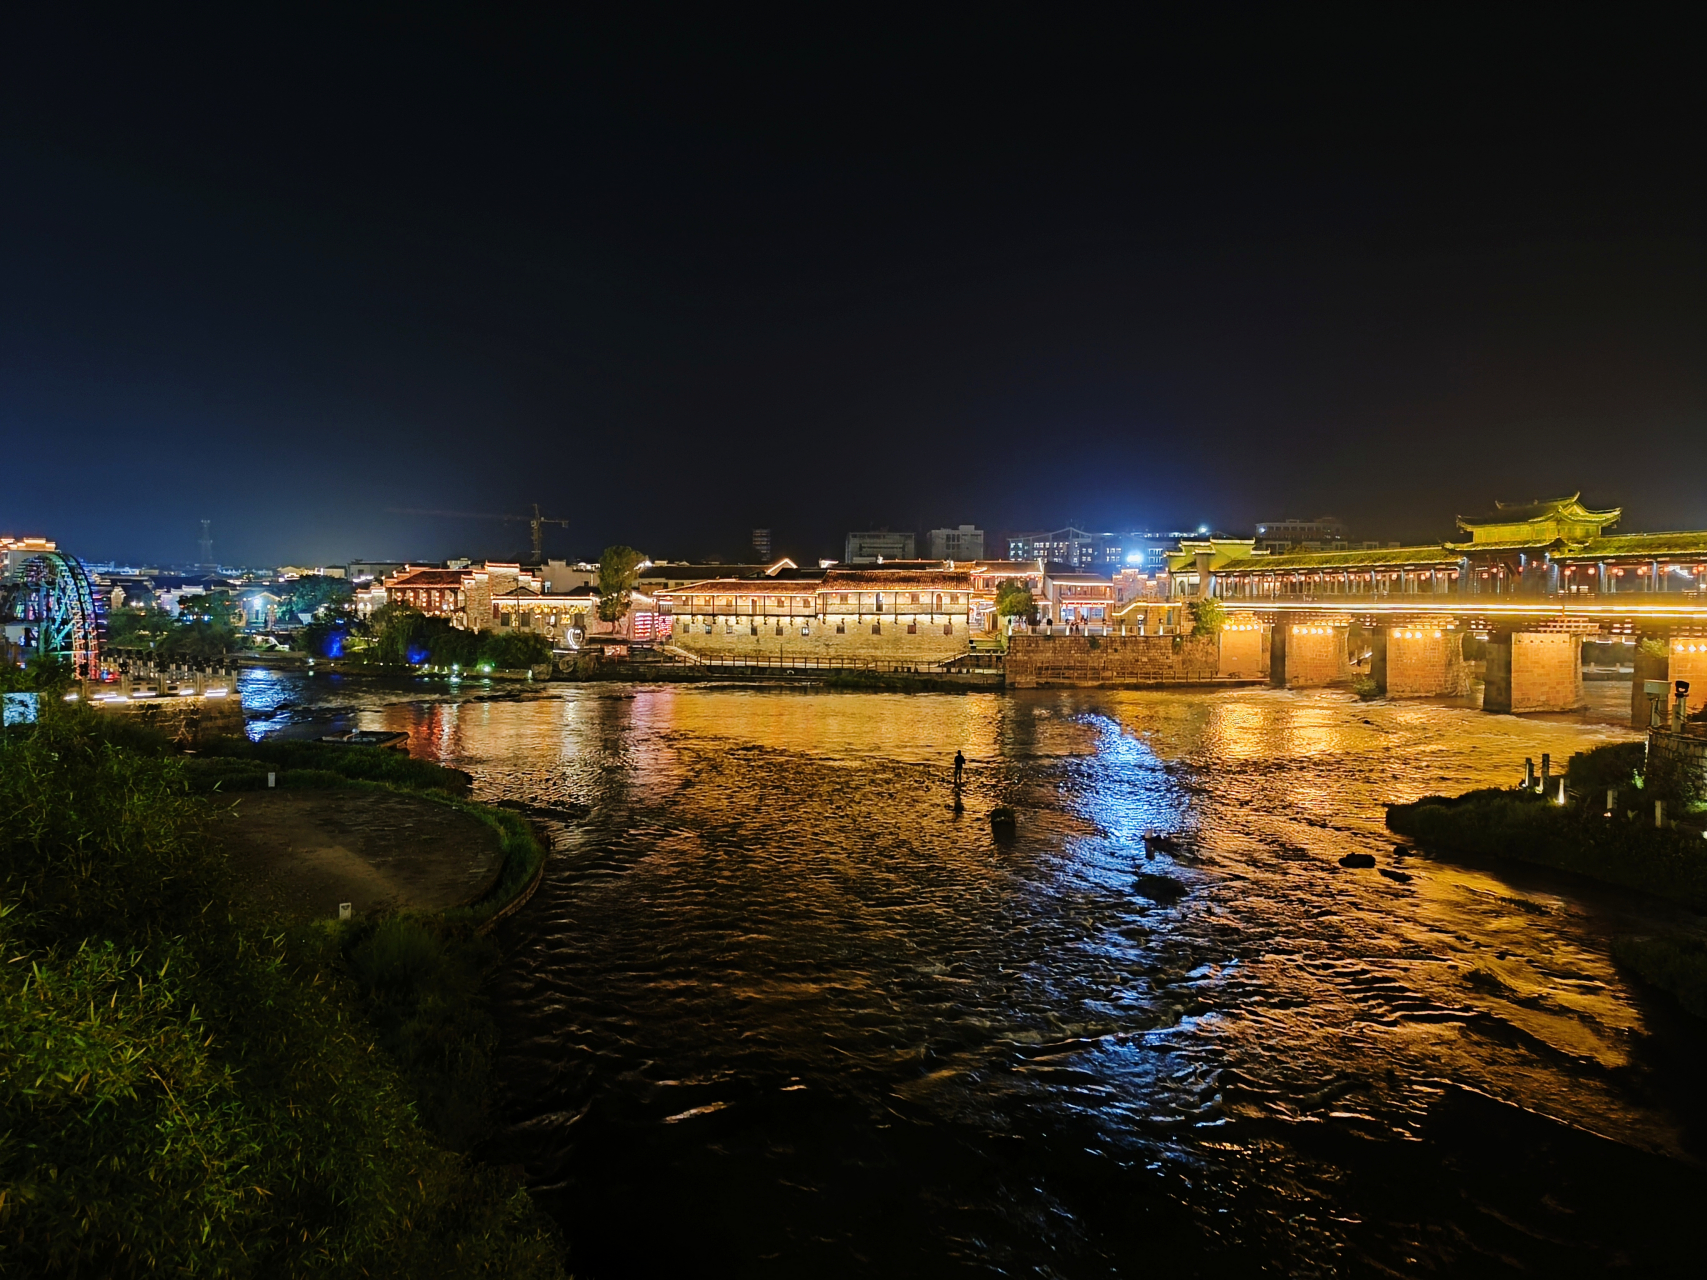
1014 600
618 568
512 650
315 592
398 634
138 628
1208 616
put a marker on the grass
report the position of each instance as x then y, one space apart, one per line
191 1087
236 764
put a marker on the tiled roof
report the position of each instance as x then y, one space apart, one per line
1311 561
428 578
1650 545
849 580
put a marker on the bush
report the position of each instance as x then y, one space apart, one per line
189 1088
1590 774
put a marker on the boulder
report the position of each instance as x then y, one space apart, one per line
1358 860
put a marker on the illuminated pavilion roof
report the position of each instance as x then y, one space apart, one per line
1539 522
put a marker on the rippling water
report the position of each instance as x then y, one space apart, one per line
782 1008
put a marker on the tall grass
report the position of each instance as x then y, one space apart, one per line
190 1088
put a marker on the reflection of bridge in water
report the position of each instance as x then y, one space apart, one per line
1530 585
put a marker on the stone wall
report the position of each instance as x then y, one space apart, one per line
890 643
1110 660
1533 671
1677 766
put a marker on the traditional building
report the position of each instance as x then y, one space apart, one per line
1077 600
878 614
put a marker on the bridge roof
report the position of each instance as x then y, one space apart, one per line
1649 546
1395 557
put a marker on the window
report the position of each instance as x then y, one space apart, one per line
728 628
843 598
753 628
841 628
877 628
948 628
708 628
779 628
915 598
806 631
912 628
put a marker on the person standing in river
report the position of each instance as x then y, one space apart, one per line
959 767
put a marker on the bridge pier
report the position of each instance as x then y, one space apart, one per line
1244 649
1419 661
1533 671
1307 655
1685 658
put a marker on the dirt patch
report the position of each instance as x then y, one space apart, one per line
304 852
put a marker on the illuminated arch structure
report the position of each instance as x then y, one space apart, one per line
50 611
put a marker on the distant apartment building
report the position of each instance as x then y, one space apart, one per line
873 545
963 542
762 543
372 570
1322 533
1095 552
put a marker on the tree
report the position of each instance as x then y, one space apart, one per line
397 634
315 592
618 568
513 650
1014 600
138 628
1208 616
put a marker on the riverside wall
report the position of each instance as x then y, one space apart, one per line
1035 661
890 642
185 720
1677 764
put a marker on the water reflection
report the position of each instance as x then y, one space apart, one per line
780 1008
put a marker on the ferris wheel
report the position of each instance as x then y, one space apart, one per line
50 610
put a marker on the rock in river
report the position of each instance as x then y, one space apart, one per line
1358 860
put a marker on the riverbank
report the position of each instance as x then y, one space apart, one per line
1619 846
192 1082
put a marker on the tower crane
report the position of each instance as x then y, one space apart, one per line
536 523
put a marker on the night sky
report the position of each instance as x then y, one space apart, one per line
678 277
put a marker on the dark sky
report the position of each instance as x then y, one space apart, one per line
674 277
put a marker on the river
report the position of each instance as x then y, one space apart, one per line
781 1008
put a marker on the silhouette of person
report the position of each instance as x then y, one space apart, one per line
959 767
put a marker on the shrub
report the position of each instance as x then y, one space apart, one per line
189 1088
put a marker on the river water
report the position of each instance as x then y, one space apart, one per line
780 1007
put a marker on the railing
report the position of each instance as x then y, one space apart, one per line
966 663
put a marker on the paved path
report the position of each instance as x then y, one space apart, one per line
304 852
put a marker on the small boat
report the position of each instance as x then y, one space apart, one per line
368 738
